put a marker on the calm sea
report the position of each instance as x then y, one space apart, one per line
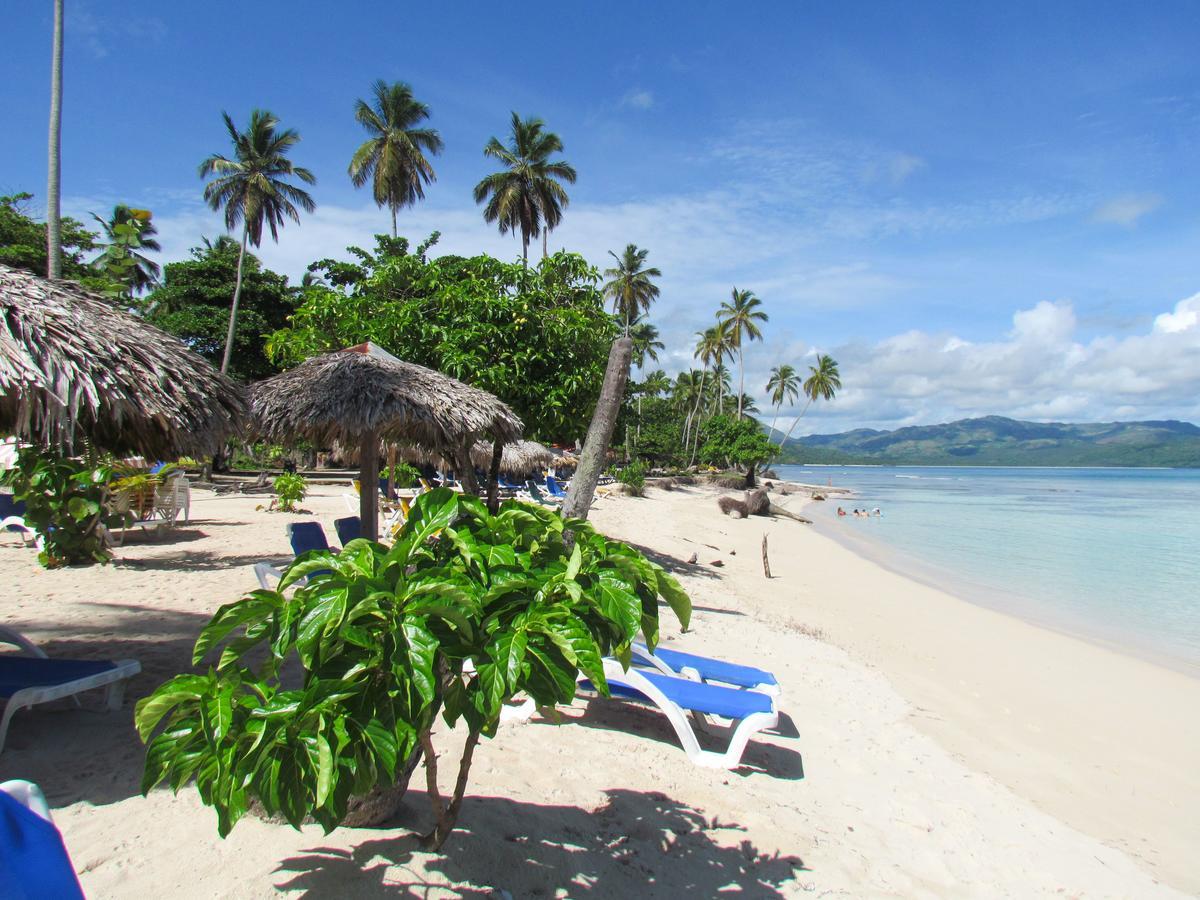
1112 555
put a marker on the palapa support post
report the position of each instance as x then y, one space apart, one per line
368 485
391 473
493 485
466 470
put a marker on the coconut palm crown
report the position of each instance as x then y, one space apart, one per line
527 195
252 190
823 383
783 386
630 285
739 317
393 159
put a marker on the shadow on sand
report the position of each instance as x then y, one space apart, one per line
635 845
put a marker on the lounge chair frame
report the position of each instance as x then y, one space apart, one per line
112 679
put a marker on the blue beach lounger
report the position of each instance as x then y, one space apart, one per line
554 487
683 701
705 669
30 677
303 536
33 858
348 529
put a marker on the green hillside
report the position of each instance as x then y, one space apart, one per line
997 441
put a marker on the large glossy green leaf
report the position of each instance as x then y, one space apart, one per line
675 596
180 689
254 606
421 647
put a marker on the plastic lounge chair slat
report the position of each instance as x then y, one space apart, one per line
711 669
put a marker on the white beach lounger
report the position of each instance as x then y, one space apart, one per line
749 712
31 677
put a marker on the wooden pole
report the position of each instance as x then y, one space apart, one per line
368 485
766 562
493 485
391 479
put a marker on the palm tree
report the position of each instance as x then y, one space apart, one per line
393 157
656 383
722 384
252 190
629 285
687 393
142 272
54 153
740 316
784 385
526 196
822 383
645 343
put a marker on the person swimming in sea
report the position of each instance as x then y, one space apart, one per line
841 512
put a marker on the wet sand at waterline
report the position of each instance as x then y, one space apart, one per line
929 747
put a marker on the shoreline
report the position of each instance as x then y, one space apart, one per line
1007 603
973 673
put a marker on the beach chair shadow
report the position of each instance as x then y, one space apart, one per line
638 844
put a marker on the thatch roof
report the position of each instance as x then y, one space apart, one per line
340 396
518 458
72 365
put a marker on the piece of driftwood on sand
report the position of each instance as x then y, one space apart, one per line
756 503
74 367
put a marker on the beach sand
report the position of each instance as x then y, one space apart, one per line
929 747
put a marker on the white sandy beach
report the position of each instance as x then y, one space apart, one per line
930 747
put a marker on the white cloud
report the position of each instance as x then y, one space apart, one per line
1127 209
1040 370
638 98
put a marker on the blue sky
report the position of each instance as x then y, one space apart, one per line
977 208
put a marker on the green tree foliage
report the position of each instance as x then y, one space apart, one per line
393 158
65 504
660 423
464 611
527 196
823 382
736 441
537 338
127 233
193 304
23 240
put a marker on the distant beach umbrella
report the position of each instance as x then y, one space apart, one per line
518 458
74 367
363 396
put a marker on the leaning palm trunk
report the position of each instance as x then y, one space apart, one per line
696 414
233 309
604 419
796 422
54 160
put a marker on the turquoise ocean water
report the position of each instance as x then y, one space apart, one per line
1110 555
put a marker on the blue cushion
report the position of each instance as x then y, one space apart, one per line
712 699
17 672
715 669
10 506
348 529
307 536
33 859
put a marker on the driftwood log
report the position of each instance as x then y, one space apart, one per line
756 503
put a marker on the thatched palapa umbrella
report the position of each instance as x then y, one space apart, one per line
518 458
364 395
74 366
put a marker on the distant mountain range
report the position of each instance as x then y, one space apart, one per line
997 441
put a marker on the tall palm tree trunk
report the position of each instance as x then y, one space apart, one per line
393 221
54 160
545 242
524 247
233 309
741 379
778 407
695 417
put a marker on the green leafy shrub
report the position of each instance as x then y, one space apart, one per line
633 476
65 504
464 611
403 475
290 488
